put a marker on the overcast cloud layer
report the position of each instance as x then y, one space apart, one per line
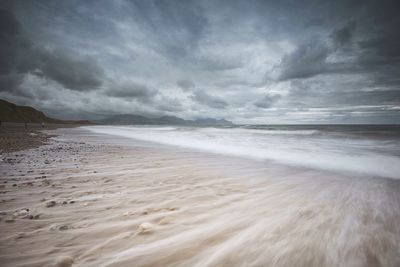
246 61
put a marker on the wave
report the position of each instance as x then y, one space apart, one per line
292 147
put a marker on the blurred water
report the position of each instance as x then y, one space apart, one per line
365 150
208 209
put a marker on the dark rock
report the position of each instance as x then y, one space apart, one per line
50 204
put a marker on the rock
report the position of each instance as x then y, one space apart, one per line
64 261
56 227
22 212
9 220
146 228
50 204
20 235
63 227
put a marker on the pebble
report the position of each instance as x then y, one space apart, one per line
50 204
63 227
21 235
145 228
56 227
21 212
64 261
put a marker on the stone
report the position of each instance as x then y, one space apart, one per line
146 228
64 261
50 204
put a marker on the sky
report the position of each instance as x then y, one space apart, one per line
267 62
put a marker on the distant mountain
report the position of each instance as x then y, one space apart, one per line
10 112
210 121
127 119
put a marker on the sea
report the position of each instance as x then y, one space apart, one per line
364 150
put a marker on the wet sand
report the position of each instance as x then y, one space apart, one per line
85 200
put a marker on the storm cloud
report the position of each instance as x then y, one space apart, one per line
267 101
22 56
209 100
131 90
247 61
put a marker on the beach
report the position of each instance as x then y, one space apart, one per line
87 198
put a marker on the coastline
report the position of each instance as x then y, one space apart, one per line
85 201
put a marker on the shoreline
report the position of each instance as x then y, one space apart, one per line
15 137
83 201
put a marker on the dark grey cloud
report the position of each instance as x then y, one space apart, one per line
21 56
267 101
131 90
10 39
344 35
359 98
366 42
209 100
169 104
311 58
152 56
73 72
216 64
185 84
307 60
173 27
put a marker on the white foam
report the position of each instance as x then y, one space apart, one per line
301 148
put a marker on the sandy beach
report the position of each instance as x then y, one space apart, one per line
87 199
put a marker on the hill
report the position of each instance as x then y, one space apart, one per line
10 112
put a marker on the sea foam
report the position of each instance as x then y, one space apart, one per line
305 148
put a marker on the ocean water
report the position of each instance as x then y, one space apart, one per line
365 150
284 196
